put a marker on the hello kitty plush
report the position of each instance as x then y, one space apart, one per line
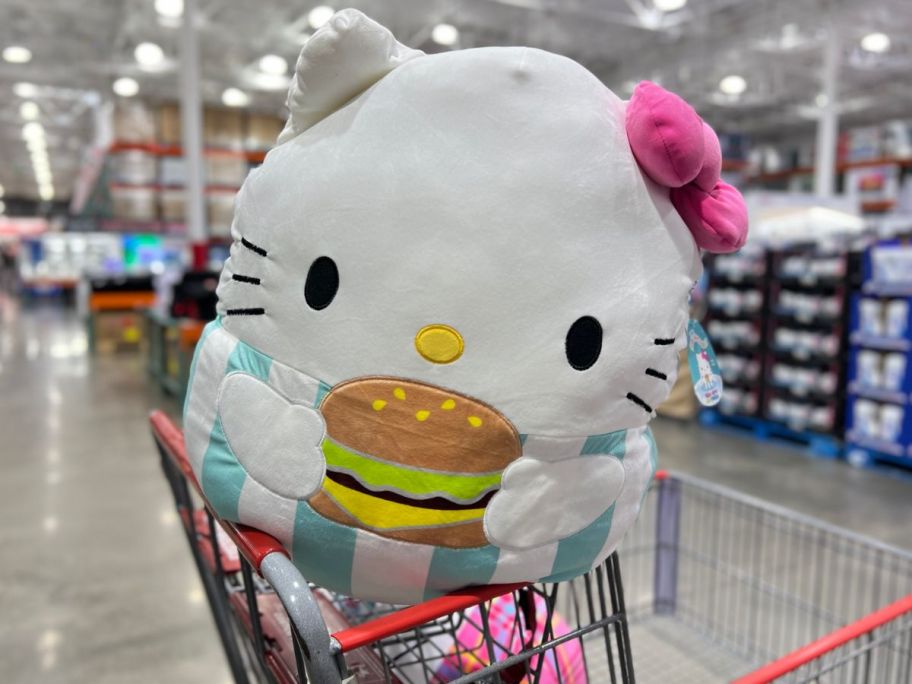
457 291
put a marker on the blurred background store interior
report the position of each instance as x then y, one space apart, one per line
126 130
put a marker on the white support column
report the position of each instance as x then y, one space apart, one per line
192 126
828 123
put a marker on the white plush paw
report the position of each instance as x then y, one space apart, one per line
542 501
277 442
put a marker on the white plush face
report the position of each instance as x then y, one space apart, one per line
490 190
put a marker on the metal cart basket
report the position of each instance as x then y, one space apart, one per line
717 586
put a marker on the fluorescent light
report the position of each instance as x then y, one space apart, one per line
149 54
29 111
733 84
46 193
25 89
669 5
233 97
876 42
273 65
319 15
17 54
33 129
170 8
445 34
125 87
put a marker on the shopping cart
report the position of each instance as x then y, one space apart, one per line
717 585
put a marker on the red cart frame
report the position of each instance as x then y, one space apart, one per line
736 580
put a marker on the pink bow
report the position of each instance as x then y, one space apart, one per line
677 149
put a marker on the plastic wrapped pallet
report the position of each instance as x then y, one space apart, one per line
223 128
173 204
262 130
136 167
169 124
220 211
133 203
133 122
225 169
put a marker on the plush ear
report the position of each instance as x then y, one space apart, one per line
343 58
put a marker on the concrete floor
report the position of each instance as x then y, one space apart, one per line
97 584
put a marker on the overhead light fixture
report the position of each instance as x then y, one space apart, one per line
170 8
319 15
125 86
17 54
29 111
445 34
273 65
31 130
149 54
233 97
25 90
733 84
876 42
669 5
46 193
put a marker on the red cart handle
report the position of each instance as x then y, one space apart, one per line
252 544
828 643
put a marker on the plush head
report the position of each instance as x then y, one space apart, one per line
461 282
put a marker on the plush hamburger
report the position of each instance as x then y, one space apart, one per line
429 488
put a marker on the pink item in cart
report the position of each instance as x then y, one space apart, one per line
563 663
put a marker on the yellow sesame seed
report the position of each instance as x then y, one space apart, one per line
399 393
378 404
448 405
474 421
422 415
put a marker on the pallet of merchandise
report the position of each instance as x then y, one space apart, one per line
865 456
817 443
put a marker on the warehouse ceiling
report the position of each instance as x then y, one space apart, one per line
78 50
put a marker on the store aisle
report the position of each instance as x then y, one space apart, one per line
97 583
877 503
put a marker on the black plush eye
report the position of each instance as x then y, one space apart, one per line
584 343
322 283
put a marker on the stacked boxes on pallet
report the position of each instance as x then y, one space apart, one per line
146 174
879 411
778 321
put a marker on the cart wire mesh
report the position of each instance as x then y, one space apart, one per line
716 584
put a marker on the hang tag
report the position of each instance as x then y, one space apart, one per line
704 368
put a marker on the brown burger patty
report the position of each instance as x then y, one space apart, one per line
437 503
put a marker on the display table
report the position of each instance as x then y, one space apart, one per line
115 319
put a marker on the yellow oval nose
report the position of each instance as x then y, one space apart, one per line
439 343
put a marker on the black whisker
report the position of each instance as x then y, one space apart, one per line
245 279
664 340
256 311
252 247
656 374
639 402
